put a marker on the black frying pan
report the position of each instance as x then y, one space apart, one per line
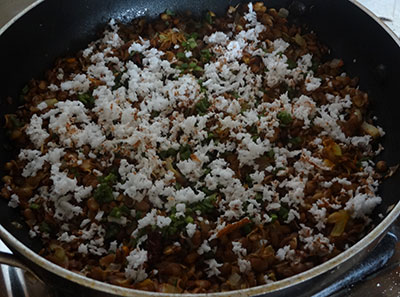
56 28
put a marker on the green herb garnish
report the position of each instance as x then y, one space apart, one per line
25 90
87 99
202 106
209 17
276 170
283 213
202 88
104 191
270 154
285 118
117 212
44 227
205 206
170 12
205 55
181 56
189 44
273 217
185 152
296 140
168 153
34 206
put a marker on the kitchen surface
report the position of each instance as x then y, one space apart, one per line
385 282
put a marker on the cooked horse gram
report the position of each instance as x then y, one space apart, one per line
184 155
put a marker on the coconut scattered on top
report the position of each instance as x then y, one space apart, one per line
201 147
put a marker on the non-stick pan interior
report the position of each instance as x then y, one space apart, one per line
58 28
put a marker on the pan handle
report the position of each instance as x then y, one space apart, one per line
12 260
21 282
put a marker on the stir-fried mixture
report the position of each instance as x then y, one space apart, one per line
184 155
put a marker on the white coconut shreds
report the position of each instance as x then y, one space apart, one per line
180 146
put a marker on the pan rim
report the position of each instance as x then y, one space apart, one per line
331 264
323 268
19 15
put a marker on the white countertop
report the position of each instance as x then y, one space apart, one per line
388 10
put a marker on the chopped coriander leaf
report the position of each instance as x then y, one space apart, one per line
363 159
183 66
253 130
138 215
271 154
111 178
206 191
189 219
134 241
192 64
276 170
34 206
103 193
178 186
235 94
202 88
87 99
25 90
205 206
170 12
209 17
181 56
154 114
273 217
211 135
185 152
248 180
194 35
205 55
202 106
190 43
44 227
176 225
259 197
285 118
283 213
168 153
117 212
117 81
296 140
207 171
